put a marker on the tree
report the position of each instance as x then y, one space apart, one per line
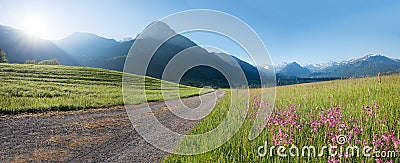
30 62
3 58
49 62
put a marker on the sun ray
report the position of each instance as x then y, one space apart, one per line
35 26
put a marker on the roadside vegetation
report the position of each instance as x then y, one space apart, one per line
362 112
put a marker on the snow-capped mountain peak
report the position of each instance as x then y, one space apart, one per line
320 66
367 65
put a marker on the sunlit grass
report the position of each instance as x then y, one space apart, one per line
311 115
37 88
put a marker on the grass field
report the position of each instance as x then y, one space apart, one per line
316 114
37 88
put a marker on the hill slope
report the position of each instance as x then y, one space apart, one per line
95 51
36 88
21 46
87 49
369 65
294 69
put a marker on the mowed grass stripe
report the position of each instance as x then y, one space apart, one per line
38 88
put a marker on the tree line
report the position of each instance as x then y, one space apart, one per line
54 61
44 62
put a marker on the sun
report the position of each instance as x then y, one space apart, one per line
35 26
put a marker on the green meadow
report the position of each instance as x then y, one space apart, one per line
362 110
37 88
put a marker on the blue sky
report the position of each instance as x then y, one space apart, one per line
304 31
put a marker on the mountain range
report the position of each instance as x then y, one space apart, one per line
78 49
85 49
369 65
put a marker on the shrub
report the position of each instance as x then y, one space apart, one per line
30 62
49 62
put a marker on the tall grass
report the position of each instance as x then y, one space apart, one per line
316 114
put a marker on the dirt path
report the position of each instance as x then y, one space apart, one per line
101 135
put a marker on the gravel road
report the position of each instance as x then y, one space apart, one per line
98 135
